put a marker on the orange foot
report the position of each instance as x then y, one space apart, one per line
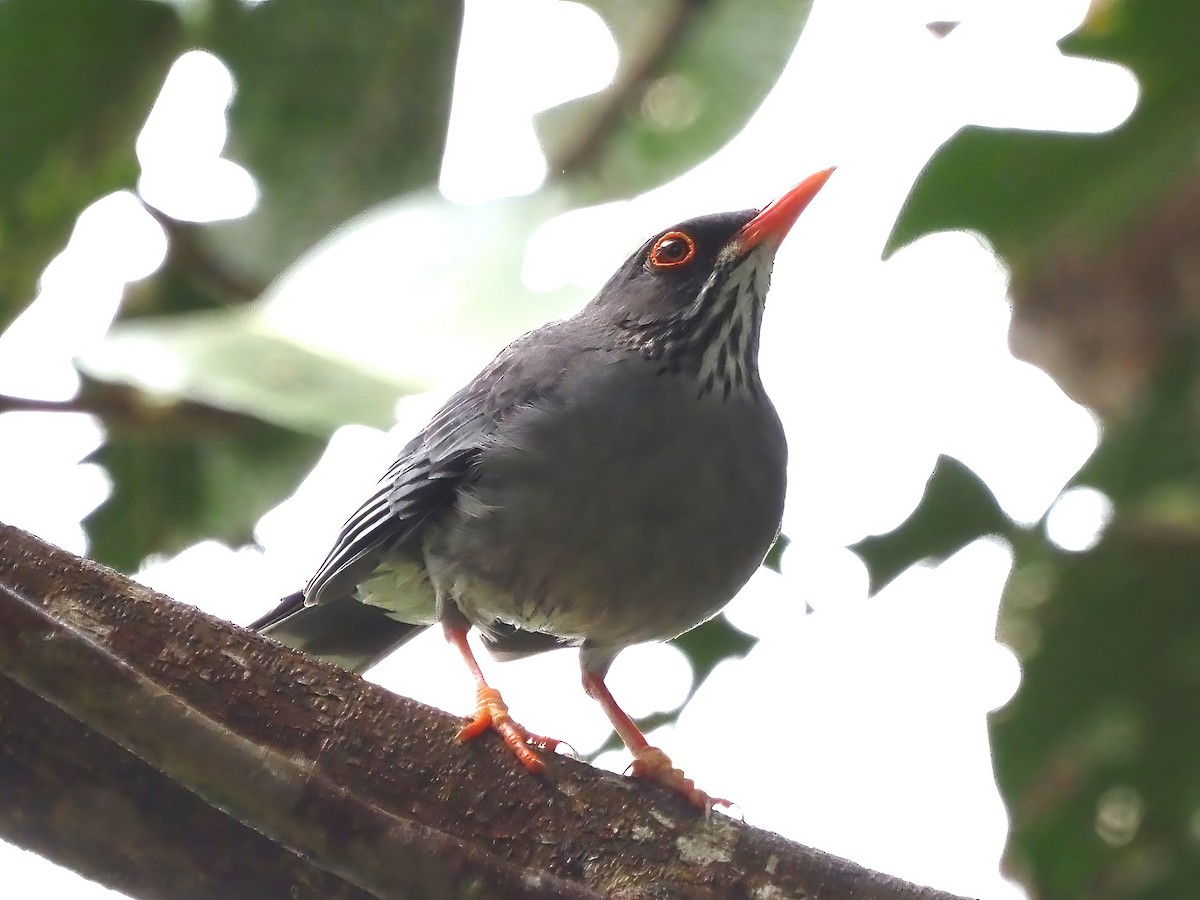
654 765
492 712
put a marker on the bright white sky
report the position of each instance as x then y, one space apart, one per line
859 729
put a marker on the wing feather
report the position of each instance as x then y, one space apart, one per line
430 470
392 515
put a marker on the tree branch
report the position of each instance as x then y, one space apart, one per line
628 88
128 410
169 754
190 254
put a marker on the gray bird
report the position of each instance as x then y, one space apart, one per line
609 479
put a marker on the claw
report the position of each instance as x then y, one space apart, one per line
652 764
491 712
553 746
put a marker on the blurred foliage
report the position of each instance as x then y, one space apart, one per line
1032 194
73 100
1097 754
338 111
327 117
957 508
1086 222
169 487
688 78
774 560
617 142
338 107
233 360
343 107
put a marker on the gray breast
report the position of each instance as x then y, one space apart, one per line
631 511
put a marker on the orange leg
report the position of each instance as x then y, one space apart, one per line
648 762
492 712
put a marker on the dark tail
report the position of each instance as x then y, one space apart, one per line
343 631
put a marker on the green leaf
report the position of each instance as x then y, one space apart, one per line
234 360
456 283
172 488
1096 755
711 643
1152 453
774 558
1031 193
458 274
690 76
957 509
77 79
338 107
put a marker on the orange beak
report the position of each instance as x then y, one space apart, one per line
776 219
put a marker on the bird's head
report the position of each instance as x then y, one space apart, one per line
692 296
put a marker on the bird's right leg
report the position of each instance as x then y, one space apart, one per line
491 711
649 762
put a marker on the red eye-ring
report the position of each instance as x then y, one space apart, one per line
671 250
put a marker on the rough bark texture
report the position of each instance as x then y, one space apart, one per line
169 754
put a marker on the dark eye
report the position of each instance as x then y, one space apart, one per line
672 249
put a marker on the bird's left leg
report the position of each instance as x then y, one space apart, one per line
490 709
648 762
